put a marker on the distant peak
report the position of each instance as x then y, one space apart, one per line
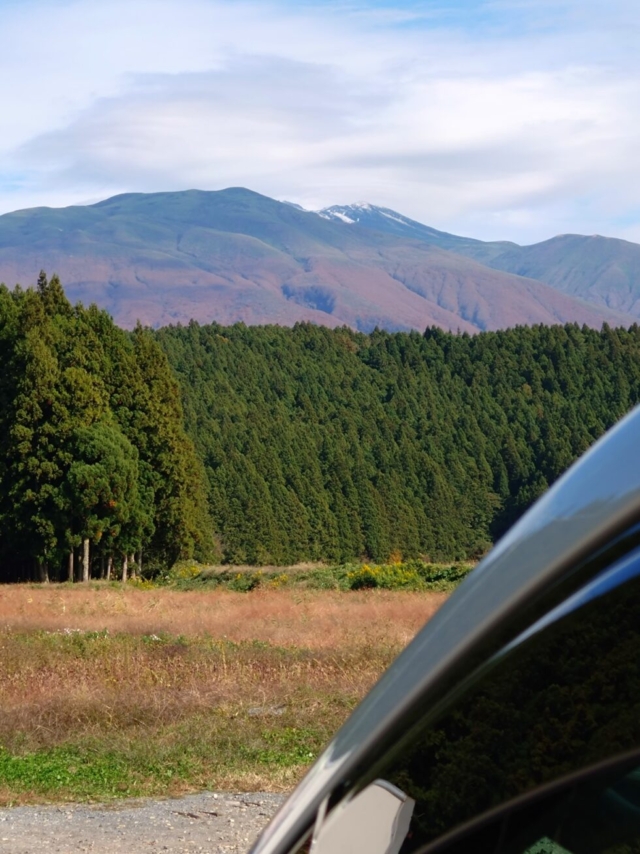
350 214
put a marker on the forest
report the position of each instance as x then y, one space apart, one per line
124 451
323 444
97 474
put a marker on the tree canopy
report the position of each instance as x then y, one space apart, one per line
92 439
332 444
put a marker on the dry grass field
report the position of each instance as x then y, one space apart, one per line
287 617
112 691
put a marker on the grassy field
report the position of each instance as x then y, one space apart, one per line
119 691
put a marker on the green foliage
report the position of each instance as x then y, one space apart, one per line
411 575
272 446
103 482
92 442
392 577
182 525
330 445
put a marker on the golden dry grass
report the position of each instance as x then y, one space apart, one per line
53 686
287 617
184 690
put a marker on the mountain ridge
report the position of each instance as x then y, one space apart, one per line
236 255
602 270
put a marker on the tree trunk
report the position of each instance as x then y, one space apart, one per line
140 563
102 567
109 567
125 566
85 560
132 561
70 575
43 572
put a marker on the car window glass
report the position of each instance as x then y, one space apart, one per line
566 698
598 814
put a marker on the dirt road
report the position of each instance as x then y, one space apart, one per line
206 822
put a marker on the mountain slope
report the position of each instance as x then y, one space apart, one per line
604 271
235 255
392 222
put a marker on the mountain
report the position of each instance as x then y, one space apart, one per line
235 255
604 271
392 222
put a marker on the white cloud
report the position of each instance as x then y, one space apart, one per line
462 127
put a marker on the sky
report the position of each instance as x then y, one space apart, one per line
497 119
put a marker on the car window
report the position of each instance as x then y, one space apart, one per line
599 813
563 697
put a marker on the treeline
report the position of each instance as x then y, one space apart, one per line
330 444
265 445
97 474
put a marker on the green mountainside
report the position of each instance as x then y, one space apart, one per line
272 445
602 270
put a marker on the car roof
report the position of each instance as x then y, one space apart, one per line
598 497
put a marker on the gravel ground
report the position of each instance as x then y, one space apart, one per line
209 822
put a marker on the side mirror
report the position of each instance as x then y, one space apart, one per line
376 821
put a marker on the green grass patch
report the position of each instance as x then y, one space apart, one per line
202 753
76 771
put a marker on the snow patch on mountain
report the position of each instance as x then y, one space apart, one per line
358 211
388 215
343 217
346 213
374 217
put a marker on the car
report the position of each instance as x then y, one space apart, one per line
511 723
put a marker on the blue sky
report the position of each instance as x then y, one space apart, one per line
514 119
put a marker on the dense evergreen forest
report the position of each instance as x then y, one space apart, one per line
331 444
121 451
97 475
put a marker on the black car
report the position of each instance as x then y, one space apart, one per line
511 723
